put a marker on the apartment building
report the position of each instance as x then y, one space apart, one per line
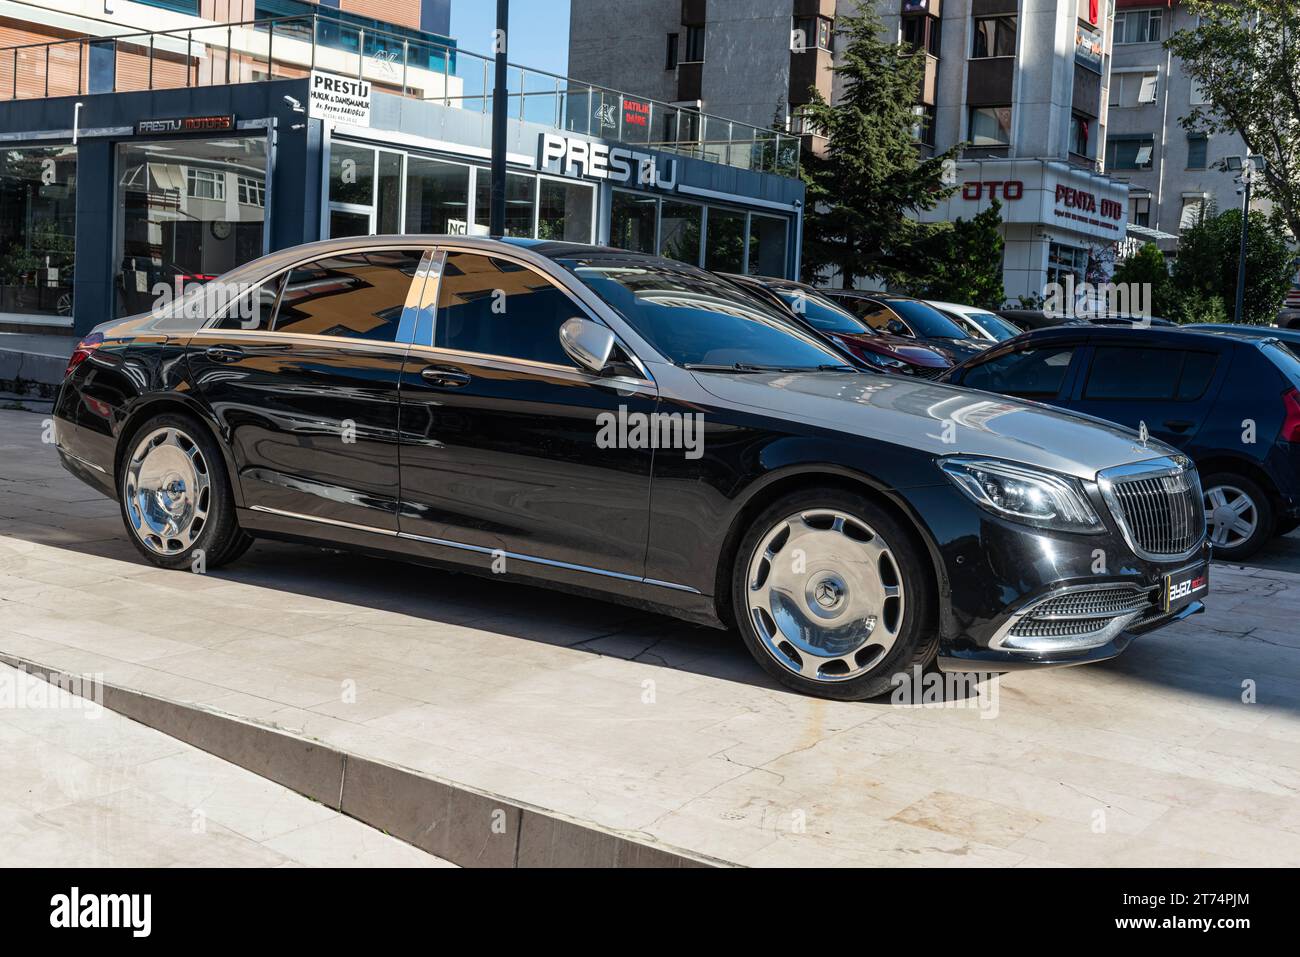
1023 82
1170 171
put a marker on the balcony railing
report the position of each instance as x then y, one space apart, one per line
290 47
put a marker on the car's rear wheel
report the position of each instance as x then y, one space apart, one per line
831 595
1238 514
175 495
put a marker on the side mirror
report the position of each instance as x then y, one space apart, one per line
587 343
897 328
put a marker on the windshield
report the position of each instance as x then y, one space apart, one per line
696 318
822 314
926 321
996 326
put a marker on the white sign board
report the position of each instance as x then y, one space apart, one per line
343 99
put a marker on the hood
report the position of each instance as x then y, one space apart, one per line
908 350
912 413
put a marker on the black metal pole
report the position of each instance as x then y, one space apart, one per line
1241 257
499 109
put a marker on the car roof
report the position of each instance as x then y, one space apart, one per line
954 306
1163 335
1245 332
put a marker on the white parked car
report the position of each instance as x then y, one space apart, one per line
978 322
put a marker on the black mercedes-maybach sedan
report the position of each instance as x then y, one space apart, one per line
631 428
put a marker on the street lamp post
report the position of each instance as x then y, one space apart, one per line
1250 166
497 221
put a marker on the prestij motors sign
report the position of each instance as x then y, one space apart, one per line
343 99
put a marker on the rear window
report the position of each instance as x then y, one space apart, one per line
1122 372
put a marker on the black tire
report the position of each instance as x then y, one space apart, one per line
1263 509
917 633
220 538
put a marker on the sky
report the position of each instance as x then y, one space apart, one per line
539 31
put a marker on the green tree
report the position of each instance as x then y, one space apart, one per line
1148 267
1245 56
960 262
1207 264
871 176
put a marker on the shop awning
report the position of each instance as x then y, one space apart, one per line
1146 232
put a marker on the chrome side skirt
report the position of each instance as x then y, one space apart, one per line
80 460
477 549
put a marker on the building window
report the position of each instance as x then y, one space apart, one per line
38 227
632 218
437 196
767 245
1081 140
923 128
1132 89
801 123
921 33
180 6
1197 146
813 33
565 210
1197 96
1193 210
205 184
252 192
173 225
1138 26
520 202
1063 260
1139 210
724 247
990 126
694 44
680 226
670 60
994 36
1129 152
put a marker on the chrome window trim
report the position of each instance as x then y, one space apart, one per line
1151 468
477 549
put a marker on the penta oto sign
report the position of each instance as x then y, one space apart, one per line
619 164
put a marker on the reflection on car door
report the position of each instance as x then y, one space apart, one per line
309 394
1170 390
500 428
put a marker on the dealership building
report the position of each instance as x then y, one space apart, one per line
131 161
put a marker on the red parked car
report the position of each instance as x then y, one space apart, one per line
870 347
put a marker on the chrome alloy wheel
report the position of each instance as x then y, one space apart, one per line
167 491
825 595
1231 514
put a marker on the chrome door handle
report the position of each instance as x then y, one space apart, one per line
224 353
444 378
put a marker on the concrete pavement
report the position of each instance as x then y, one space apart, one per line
1185 751
83 787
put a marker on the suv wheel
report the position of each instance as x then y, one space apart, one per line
831 596
1239 515
175 495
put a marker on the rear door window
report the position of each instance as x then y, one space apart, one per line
1125 373
353 296
1027 373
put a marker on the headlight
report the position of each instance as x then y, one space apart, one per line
1024 494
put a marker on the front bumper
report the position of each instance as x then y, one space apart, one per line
1018 597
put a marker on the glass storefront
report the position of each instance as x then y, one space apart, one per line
724 247
38 196
565 210
632 220
520 190
437 196
680 227
767 245
187 210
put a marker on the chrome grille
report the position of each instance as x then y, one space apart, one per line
1097 603
928 372
1163 514
1080 618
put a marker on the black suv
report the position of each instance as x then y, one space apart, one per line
1227 400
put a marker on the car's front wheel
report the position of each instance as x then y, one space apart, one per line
175 495
1238 514
831 595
